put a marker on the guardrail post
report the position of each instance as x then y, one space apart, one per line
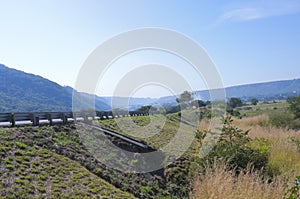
37 121
12 119
34 119
100 115
64 118
50 119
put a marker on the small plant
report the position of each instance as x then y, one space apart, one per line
21 145
293 190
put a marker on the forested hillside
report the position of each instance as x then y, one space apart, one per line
20 91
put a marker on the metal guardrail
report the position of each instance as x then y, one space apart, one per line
38 118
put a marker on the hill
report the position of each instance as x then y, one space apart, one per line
20 91
31 171
275 90
53 162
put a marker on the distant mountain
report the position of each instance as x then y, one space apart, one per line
20 91
276 90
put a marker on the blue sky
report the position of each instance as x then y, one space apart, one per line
249 41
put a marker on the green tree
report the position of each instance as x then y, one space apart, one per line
185 97
254 101
235 102
295 107
144 109
291 99
198 103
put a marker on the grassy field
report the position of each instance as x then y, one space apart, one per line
52 162
267 108
268 135
283 164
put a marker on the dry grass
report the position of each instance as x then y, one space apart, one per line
261 128
204 124
284 157
220 183
260 120
283 164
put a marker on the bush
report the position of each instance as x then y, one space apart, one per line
285 120
235 102
281 120
295 107
234 148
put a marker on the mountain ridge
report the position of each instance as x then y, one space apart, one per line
26 92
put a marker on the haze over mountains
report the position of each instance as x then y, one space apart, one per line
20 91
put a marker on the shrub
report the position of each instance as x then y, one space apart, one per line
21 145
295 107
235 102
234 147
281 120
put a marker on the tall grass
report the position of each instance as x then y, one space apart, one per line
260 120
284 160
261 128
220 183
284 155
283 164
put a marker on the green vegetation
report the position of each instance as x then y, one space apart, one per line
293 191
295 107
48 150
234 147
31 171
254 101
256 154
235 102
24 92
185 97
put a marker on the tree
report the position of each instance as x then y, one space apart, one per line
291 99
295 107
198 103
207 103
254 101
185 97
144 109
173 109
235 102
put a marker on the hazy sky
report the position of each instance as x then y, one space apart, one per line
249 41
